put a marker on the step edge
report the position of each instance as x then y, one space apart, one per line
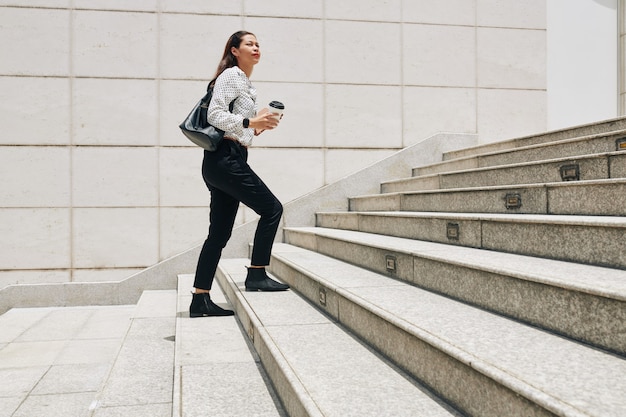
512 187
530 218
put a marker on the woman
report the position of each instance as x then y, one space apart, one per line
231 180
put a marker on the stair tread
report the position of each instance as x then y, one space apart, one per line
330 364
551 369
579 220
503 187
216 371
606 282
511 165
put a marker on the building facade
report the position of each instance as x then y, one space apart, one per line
98 182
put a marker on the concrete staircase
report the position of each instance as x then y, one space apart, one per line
490 284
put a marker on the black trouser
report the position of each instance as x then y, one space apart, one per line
231 180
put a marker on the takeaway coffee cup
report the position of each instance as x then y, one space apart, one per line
276 107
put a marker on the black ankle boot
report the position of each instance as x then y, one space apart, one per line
257 280
202 306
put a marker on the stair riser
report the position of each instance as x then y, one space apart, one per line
566 198
597 245
447 166
383 202
588 199
593 319
602 246
617 166
430 182
429 229
456 381
588 169
533 201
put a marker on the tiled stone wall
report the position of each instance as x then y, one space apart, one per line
98 181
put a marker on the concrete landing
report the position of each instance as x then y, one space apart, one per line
54 361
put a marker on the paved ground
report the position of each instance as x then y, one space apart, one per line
54 361
131 360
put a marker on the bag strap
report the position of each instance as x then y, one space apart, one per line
209 90
211 84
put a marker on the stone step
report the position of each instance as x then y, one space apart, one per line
317 368
216 371
141 380
595 198
595 240
483 363
583 302
598 128
586 145
589 167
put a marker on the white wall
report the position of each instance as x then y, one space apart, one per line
98 181
582 61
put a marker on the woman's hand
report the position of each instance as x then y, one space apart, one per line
263 121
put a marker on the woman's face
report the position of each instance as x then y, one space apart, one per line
248 54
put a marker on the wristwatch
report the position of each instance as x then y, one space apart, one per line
246 123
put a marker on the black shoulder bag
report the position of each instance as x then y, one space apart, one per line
197 128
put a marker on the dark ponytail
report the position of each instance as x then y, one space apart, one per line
228 59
